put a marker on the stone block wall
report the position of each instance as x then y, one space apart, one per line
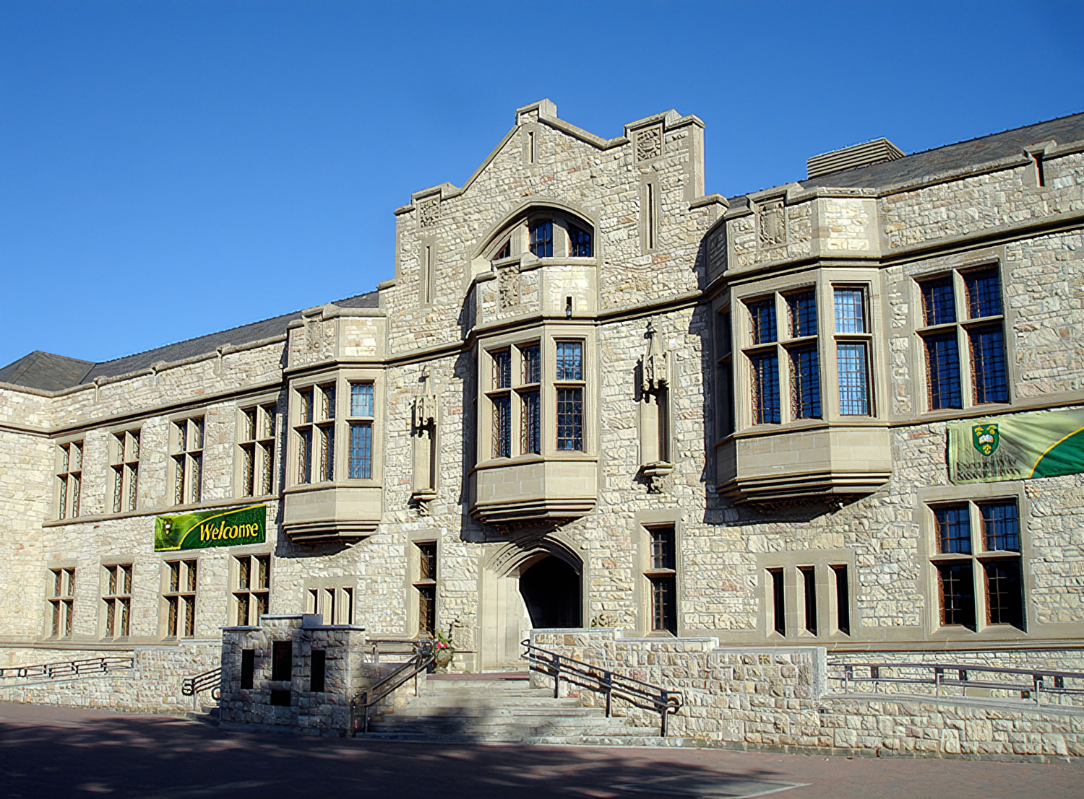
152 685
779 699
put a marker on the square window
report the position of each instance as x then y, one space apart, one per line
1000 526
983 293
803 313
850 306
938 301
953 529
762 318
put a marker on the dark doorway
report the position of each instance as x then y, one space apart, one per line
551 590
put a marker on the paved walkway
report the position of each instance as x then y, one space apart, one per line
62 752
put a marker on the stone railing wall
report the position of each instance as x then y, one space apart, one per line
778 699
152 685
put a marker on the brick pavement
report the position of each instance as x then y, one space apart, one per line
55 752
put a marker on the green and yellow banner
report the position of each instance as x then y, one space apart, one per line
211 528
1018 447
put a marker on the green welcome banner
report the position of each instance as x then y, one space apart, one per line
1039 444
211 528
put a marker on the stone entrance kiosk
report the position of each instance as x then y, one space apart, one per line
292 674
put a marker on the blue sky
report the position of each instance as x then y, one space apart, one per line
168 169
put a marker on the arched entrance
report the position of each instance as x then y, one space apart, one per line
551 591
526 586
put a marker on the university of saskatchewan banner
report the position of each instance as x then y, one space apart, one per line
211 528
1038 444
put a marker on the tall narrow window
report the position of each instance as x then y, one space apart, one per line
334 602
124 464
257 442
69 479
989 373
943 371
662 579
569 390
117 598
361 431
188 461
426 587
843 599
852 351
501 399
530 435
62 602
650 220
427 275
779 601
765 388
182 579
317 670
805 378
541 234
809 591
251 589
724 375
325 467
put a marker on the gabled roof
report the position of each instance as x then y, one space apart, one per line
45 371
48 372
948 158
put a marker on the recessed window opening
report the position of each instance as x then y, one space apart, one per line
427 276
426 586
843 599
361 431
70 479
282 660
62 601
180 597
1040 173
650 225
248 669
317 670
662 579
580 244
569 376
118 600
530 147
809 588
779 607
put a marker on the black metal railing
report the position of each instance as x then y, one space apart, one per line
210 680
610 683
1031 684
365 700
65 669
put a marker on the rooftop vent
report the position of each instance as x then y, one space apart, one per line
871 152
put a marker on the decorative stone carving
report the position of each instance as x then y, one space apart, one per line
772 224
656 363
429 212
508 286
425 406
649 143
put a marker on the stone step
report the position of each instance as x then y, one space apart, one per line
644 740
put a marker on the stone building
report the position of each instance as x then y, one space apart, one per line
594 396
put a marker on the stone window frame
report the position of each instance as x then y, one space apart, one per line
180 479
264 472
115 577
341 379
644 522
547 337
125 447
515 235
824 564
68 482
974 495
338 592
957 269
824 281
60 601
255 590
413 580
184 595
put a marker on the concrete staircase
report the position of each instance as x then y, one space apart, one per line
504 708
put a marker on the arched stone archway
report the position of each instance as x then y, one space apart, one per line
525 585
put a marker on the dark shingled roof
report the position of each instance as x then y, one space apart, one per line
48 372
948 158
45 371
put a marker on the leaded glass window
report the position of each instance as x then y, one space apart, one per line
765 378
953 529
762 317
853 366
580 244
806 382
943 371
541 233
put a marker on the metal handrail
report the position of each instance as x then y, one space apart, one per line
210 680
421 660
70 668
1038 681
611 683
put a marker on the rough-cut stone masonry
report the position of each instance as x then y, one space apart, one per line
703 255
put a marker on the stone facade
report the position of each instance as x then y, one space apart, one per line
656 506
